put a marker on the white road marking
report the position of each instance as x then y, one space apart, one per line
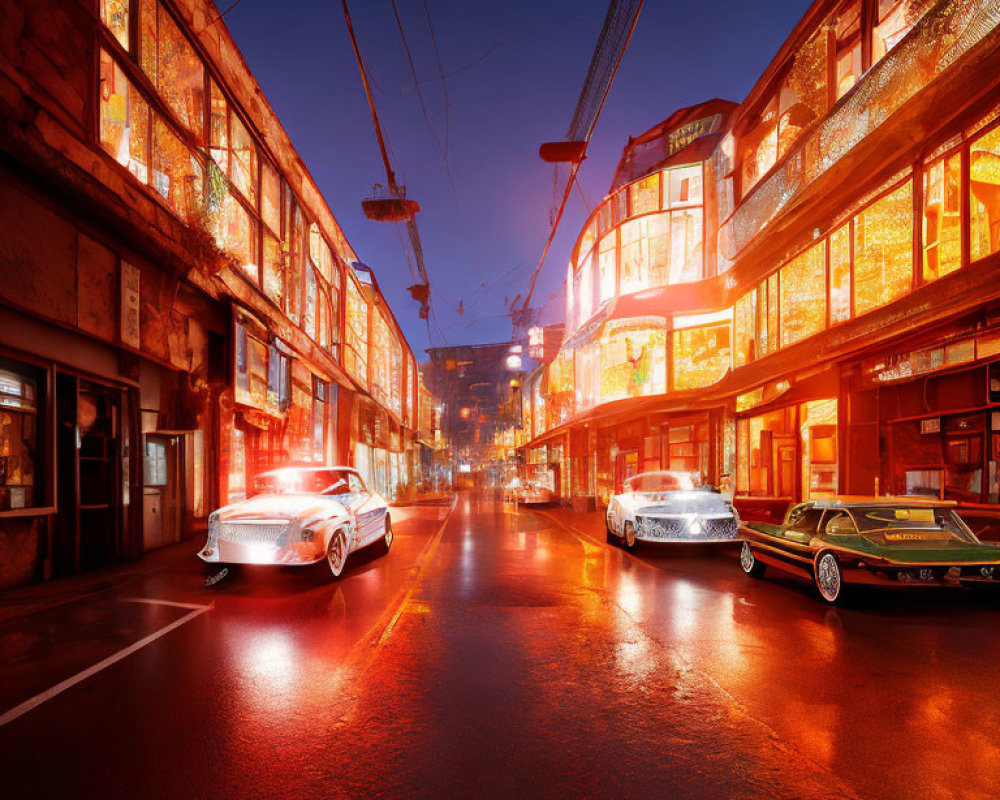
152 601
59 688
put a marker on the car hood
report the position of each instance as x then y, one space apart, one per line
677 502
282 506
937 551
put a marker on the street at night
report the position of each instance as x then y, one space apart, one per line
503 653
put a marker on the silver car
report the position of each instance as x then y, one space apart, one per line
300 515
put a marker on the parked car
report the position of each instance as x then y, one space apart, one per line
527 492
669 506
301 515
887 541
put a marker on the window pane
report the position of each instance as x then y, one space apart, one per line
235 235
883 250
984 175
19 446
635 257
295 243
114 14
745 328
243 161
218 128
685 246
895 21
685 186
271 263
124 120
309 310
702 356
942 229
633 361
179 74
270 200
847 25
569 297
644 195
320 252
177 174
760 150
803 295
356 354
606 262
840 274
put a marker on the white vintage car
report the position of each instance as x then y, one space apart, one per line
300 516
669 507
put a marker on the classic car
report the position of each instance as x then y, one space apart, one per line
300 515
669 507
527 492
882 541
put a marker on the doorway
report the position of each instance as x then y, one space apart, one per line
162 490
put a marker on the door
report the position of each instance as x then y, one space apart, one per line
626 465
785 461
161 491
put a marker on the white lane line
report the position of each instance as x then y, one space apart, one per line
59 688
151 601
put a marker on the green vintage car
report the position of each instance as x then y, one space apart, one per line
882 541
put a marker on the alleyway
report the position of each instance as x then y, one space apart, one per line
500 655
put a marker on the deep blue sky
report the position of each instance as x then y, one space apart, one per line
534 56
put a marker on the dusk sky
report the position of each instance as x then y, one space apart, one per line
513 70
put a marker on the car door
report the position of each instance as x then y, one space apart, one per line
368 510
800 527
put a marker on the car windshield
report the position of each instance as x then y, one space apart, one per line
304 481
912 524
660 482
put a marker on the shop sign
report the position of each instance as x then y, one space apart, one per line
681 137
130 300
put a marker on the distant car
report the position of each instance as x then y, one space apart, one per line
535 494
302 515
668 506
890 542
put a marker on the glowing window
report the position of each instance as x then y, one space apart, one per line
274 286
309 309
895 19
218 127
569 296
685 186
645 260
295 244
984 191
173 66
124 120
356 335
319 252
840 274
942 217
760 147
702 356
607 264
177 175
235 235
847 28
114 14
686 262
633 360
803 295
883 250
588 375
644 195
378 359
270 196
243 160
744 324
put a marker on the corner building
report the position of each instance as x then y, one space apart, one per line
798 295
179 309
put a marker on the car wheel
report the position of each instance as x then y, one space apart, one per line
628 535
829 578
386 541
748 561
336 552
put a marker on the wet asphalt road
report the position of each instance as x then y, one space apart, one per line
502 655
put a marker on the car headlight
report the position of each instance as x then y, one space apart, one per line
308 535
213 528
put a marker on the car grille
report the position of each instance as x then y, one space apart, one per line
678 528
253 532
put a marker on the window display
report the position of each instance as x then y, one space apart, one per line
942 225
984 194
19 435
633 359
820 456
803 295
702 356
883 250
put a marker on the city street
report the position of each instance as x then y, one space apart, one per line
495 654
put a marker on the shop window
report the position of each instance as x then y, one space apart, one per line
644 195
744 326
607 265
243 159
984 191
942 227
587 373
538 405
803 295
847 29
702 356
235 235
633 360
177 174
173 66
251 369
19 439
273 270
820 458
765 337
883 250
278 388
766 459
124 120
686 187
114 15
840 274
686 262
270 196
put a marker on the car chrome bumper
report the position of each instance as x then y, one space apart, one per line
223 552
688 528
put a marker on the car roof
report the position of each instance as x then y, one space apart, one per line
309 468
849 501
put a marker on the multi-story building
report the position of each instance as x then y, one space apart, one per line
179 308
799 295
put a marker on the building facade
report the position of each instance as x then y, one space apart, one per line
179 308
798 296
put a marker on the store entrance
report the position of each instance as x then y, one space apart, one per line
162 491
